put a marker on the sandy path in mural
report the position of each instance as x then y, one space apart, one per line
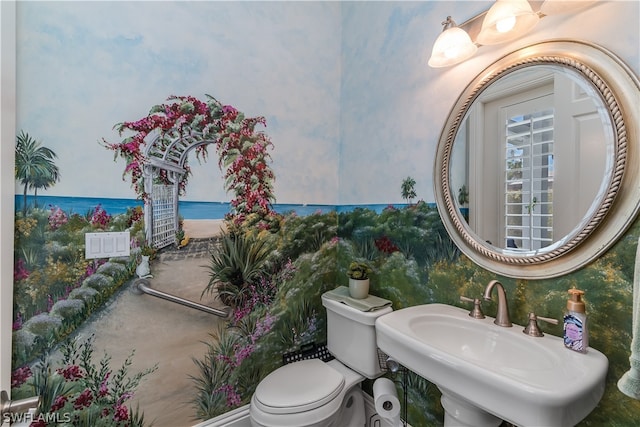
202 228
162 332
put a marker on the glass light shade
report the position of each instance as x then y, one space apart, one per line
452 47
507 20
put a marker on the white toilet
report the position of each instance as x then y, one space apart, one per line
312 393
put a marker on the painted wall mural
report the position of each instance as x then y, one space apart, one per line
353 125
277 309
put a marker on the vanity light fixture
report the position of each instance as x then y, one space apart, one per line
452 46
507 20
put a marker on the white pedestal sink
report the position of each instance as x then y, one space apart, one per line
489 373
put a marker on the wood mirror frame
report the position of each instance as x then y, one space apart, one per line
619 89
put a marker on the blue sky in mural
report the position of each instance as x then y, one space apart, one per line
344 102
85 66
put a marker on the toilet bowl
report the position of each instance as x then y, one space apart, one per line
313 393
309 393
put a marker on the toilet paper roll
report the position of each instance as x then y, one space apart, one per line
385 398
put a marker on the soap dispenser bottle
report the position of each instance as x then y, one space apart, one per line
576 333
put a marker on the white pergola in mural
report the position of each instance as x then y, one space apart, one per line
157 154
168 158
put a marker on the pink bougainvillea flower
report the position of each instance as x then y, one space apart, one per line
71 372
57 218
104 388
17 323
120 413
59 402
100 218
20 376
20 271
384 244
234 136
233 397
83 400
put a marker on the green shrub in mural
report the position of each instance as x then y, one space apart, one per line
413 262
300 235
55 288
240 262
286 264
55 291
252 345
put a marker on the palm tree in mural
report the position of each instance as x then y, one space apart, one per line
408 189
43 182
34 167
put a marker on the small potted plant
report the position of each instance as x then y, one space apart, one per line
358 273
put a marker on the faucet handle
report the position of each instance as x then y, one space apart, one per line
532 329
476 312
8 406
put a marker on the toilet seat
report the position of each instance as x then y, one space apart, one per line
298 387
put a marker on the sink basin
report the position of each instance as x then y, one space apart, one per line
489 373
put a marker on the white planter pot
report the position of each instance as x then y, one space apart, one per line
358 289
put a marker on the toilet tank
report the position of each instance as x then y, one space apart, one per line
351 336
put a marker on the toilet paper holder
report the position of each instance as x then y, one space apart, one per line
388 363
393 368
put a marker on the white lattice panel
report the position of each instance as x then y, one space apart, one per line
164 220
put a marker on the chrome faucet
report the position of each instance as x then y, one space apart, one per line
502 316
8 406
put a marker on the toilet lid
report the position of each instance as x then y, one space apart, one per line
298 387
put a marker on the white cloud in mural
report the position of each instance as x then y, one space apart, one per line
324 75
387 93
350 103
86 66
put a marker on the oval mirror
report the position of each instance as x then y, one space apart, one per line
536 170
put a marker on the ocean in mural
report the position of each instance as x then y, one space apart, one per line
187 209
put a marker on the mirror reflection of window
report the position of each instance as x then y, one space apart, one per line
509 200
528 180
535 145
